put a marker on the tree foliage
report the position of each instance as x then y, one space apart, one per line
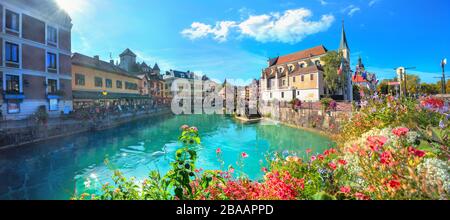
332 62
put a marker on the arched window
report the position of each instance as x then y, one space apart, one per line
318 63
302 65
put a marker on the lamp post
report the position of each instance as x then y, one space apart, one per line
444 83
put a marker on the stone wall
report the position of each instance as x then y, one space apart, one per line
329 122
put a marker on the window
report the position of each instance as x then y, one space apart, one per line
293 79
108 83
302 65
312 77
52 86
52 35
270 95
131 86
318 63
79 79
291 68
12 84
303 78
119 84
284 82
282 95
51 61
12 21
98 82
11 52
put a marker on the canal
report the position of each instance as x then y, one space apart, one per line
58 168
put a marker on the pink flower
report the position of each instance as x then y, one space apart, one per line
244 155
386 158
345 189
376 142
313 158
184 127
194 129
332 165
231 170
308 150
400 132
218 151
264 170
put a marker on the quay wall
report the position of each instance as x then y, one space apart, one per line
33 133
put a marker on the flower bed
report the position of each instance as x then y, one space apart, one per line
390 149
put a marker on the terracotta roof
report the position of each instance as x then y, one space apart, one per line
358 79
315 51
86 61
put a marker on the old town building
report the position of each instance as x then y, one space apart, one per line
155 85
300 75
100 83
35 67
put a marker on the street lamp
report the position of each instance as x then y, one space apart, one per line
444 83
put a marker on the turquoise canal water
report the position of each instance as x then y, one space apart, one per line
56 169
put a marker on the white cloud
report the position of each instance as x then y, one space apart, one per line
199 30
373 2
292 26
323 2
351 10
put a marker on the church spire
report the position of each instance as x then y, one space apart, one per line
344 44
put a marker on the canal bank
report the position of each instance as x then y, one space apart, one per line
19 134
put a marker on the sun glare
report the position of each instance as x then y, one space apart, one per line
71 6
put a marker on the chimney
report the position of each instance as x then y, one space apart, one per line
97 57
111 62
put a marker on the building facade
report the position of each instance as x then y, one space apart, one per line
155 85
35 66
300 76
100 83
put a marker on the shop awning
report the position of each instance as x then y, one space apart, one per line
100 95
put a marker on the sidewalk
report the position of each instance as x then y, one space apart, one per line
8 125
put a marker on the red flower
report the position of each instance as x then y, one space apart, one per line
395 184
320 157
418 153
361 196
308 150
264 170
218 151
345 189
244 155
386 158
400 132
332 165
342 162
376 142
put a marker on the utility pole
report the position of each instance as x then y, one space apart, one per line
444 82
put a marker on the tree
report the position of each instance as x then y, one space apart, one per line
439 86
429 88
413 83
332 61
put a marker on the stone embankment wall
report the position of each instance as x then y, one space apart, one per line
309 117
13 136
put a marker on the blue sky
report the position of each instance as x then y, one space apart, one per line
233 39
